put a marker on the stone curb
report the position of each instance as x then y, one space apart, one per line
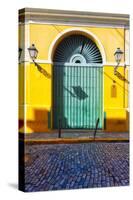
73 140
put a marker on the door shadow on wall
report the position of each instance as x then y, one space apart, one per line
41 120
58 98
117 124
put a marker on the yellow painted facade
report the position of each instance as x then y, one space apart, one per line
35 91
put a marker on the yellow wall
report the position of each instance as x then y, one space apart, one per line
38 97
38 101
21 96
43 35
115 100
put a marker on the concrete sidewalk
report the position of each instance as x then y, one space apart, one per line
78 136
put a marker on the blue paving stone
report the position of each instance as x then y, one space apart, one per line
72 166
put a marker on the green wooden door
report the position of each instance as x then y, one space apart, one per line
78 95
77 83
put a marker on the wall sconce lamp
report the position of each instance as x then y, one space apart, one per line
19 53
118 56
33 52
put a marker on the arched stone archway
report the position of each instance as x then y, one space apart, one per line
77 83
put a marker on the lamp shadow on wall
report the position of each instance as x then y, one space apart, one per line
117 124
77 92
122 78
42 70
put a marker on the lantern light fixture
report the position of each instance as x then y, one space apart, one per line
33 52
118 56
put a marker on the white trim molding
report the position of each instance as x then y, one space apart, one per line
108 64
72 17
80 24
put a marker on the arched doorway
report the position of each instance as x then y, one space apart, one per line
77 83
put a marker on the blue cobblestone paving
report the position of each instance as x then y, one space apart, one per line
72 166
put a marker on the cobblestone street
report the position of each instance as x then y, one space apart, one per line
71 166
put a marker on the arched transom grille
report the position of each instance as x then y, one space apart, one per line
77 49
